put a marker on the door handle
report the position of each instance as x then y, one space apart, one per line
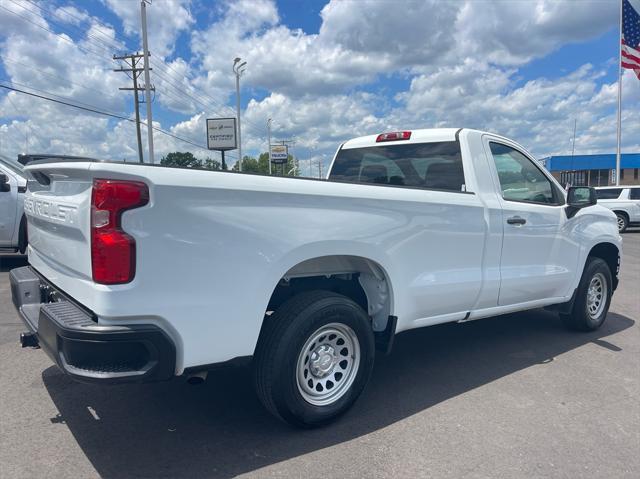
516 220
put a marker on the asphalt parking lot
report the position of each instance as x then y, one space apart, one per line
512 396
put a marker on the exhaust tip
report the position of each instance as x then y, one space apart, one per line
197 378
29 340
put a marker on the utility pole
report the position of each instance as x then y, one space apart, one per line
131 61
573 144
147 78
239 68
269 140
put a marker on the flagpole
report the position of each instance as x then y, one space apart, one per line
619 100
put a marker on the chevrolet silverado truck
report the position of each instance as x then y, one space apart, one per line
143 273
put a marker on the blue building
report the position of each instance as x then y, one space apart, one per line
593 170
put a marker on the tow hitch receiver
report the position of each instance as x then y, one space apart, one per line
29 340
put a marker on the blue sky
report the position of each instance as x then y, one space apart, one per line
324 71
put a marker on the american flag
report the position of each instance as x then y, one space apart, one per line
630 38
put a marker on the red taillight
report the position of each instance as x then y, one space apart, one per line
113 252
393 136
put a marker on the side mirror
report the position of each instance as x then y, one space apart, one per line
579 197
4 183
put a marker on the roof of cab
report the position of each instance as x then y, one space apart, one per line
417 136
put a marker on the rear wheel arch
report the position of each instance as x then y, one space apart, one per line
623 213
360 279
23 238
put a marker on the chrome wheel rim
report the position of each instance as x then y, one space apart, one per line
596 296
620 223
328 364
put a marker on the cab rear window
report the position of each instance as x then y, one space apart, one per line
436 165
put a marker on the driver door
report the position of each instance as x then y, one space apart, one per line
538 259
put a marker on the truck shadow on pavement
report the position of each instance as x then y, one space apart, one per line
219 429
11 260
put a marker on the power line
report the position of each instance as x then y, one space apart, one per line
178 90
76 102
53 75
104 45
104 113
108 47
48 29
225 108
26 123
131 61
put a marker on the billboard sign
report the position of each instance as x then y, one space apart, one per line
221 134
279 154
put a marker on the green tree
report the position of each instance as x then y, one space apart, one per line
261 166
182 160
211 164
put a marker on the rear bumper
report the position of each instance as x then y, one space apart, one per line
79 346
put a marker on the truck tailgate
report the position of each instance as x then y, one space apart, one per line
58 215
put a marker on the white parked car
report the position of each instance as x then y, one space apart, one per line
141 273
624 201
13 223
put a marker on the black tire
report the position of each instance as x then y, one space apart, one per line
580 318
623 222
283 337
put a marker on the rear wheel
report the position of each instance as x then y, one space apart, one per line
623 222
593 297
314 358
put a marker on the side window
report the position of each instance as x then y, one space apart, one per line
634 194
609 193
520 179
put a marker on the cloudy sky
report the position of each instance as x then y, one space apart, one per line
324 72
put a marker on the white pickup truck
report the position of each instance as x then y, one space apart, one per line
141 273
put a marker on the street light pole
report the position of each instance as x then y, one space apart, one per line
269 140
238 69
147 79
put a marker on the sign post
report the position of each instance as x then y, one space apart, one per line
279 154
221 136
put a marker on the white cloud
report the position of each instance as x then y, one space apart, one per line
165 21
505 32
460 60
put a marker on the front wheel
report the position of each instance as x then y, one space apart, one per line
314 358
593 297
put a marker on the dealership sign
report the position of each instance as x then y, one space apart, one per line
221 134
279 154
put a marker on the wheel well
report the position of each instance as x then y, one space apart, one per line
623 213
360 279
22 235
610 254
